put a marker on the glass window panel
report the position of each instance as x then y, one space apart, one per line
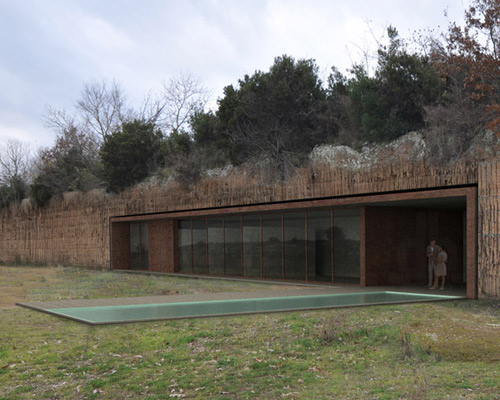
139 245
295 246
319 241
199 246
232 235
215 246
346 237
135 245
272 246
251 246
184 235
144 246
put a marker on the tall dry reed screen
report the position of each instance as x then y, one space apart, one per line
74 230
489 230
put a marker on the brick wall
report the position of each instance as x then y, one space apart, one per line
120 245
162 245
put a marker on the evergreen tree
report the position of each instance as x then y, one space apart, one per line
130 154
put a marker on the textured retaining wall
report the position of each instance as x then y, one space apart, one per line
75 230
489 230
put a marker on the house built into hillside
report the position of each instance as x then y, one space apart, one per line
375 239
366 226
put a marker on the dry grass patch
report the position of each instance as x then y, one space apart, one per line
17 282
456 335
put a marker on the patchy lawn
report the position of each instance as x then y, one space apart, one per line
420 351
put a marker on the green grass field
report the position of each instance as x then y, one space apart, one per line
447 350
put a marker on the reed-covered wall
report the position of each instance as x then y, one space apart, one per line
489 230
74 230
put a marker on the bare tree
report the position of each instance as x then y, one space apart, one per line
368 50
56 119
102 107
15 162
177 101
14 172
184 96
152 108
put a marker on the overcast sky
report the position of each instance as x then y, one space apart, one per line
49 48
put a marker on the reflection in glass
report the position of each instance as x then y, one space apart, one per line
199 246
269 245
139 245
232 236
251 246
184 235
272 246
135 245
295 246
319 242
144 246
346 237
215 247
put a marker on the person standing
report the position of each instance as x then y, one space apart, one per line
432 255
442 258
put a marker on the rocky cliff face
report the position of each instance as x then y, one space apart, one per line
412 147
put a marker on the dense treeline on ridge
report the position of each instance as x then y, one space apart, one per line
447 87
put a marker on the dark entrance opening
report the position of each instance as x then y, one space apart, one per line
398 233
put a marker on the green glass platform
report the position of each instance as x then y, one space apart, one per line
148 312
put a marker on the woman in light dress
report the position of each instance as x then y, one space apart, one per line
440 272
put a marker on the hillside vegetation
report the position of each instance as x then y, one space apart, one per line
432 97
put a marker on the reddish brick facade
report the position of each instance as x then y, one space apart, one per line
162 245
120 245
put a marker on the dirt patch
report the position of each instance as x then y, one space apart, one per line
455 339
16 282
10 296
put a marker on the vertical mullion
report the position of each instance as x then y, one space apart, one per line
140 244
192 249
261 248
207 256
306 227
282 245
224 244
241 235
333 241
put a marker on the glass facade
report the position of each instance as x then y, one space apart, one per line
252 246
272 246
346 243
233 245
295 246
199 246
185 251
215 246
139 256
318 245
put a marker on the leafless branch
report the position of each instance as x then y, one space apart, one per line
103 107
182 97
14 161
